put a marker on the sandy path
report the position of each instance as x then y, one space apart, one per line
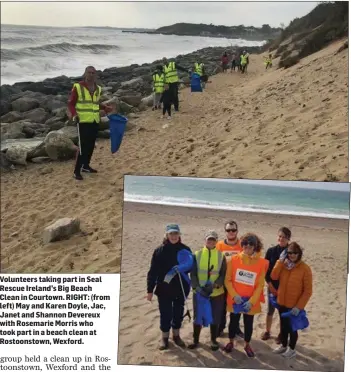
326 247
253 126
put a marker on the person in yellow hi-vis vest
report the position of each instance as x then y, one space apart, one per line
268 61
199 68
85 109
207 281
158 79
244 61
172 79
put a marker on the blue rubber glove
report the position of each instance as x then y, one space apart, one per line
238 300
295 311
247 306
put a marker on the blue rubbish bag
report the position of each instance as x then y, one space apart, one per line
203 310
238 308
117 127
195 83
185 263
298 322
273 300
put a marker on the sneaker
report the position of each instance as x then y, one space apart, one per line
265 336
193 346
249 352
280 350
214 345
169 118
78 176
164 344
229 347
290 353
89 169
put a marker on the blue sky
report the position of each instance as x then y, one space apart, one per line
151 14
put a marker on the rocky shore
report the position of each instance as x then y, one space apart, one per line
34 122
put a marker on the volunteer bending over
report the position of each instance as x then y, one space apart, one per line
207 281
245 282
294 292
171 288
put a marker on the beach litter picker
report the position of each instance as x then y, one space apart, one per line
118 125
187 313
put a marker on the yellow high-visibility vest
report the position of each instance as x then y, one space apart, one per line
159 82
205 259
198 68
87 107
243 59
171 75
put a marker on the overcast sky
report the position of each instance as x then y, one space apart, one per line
151 14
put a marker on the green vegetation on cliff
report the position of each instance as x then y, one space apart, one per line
233 32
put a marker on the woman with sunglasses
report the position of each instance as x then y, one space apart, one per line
294 292
244 281
172 285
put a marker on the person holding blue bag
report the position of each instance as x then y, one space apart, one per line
207 281
169 276
244 281
294 292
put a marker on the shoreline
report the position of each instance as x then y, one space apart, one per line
310 221
221 208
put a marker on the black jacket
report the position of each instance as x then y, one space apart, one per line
166 98
272 255
163 259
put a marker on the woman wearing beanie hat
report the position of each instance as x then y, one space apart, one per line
170 284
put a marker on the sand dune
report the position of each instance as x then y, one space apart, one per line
321 348
279 124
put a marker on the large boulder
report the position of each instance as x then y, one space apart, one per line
24 104
12 131
17 155
62 229
148 101
38 115
290 60
59 147
6 91
51 104
133 84
124 108
5 107
133 100
70 132
5 164
11 117
55 123
29 144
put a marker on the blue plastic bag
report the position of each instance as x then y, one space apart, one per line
185 263
117 127
298 322
203 310
273 300
195 83
238 308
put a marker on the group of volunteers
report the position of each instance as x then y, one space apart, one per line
239 60
229 276
165 84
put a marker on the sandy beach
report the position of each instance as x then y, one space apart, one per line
277 124
325 242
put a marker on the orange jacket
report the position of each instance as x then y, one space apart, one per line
255 264
295 285
229 250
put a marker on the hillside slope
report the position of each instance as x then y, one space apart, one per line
279 124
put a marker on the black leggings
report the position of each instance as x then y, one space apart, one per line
87 136
248 325
286 331
173 87
166 108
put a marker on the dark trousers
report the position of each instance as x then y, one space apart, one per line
248 325
166 108
286 330
87 136
173 87
223 323
171 313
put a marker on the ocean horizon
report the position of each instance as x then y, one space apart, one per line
271 197
56 51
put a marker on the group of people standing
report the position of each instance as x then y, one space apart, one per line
166 83
229 276
238 60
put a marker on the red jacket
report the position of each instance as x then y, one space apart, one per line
74 97
225 59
